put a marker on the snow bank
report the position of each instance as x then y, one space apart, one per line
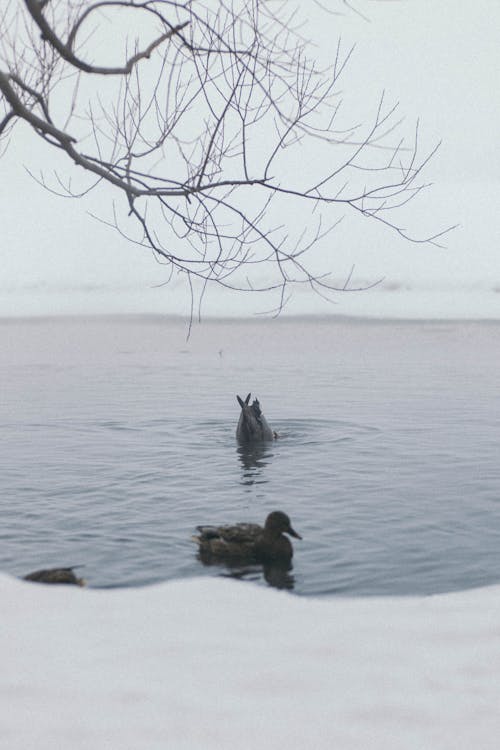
213 663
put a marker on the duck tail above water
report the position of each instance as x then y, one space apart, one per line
252 424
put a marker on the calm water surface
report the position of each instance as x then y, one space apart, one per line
118 439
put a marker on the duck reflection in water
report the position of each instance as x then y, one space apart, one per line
241 546
276 575
254 457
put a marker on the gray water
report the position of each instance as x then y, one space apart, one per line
118 439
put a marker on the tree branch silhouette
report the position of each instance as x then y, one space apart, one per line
217 128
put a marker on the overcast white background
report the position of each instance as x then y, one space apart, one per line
439 60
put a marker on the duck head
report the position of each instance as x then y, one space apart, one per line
278 523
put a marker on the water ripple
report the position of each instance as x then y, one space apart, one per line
394 484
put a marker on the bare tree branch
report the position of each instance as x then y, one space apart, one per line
230 146
65 50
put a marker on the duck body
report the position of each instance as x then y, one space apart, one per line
248 542
252 424
55 575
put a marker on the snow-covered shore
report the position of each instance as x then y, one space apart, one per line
214 663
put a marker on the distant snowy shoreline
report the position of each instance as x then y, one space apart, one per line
490 316
395 300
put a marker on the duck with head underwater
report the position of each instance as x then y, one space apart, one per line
252 424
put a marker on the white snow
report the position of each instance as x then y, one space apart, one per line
213 663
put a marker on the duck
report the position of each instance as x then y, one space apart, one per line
248 542
55 575
252 424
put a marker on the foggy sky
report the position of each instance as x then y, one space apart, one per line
439 60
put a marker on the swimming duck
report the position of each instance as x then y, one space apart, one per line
55 575
248 542
252 424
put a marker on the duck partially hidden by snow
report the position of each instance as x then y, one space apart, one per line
55 575
252 424
248 542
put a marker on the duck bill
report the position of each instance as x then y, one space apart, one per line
292 532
